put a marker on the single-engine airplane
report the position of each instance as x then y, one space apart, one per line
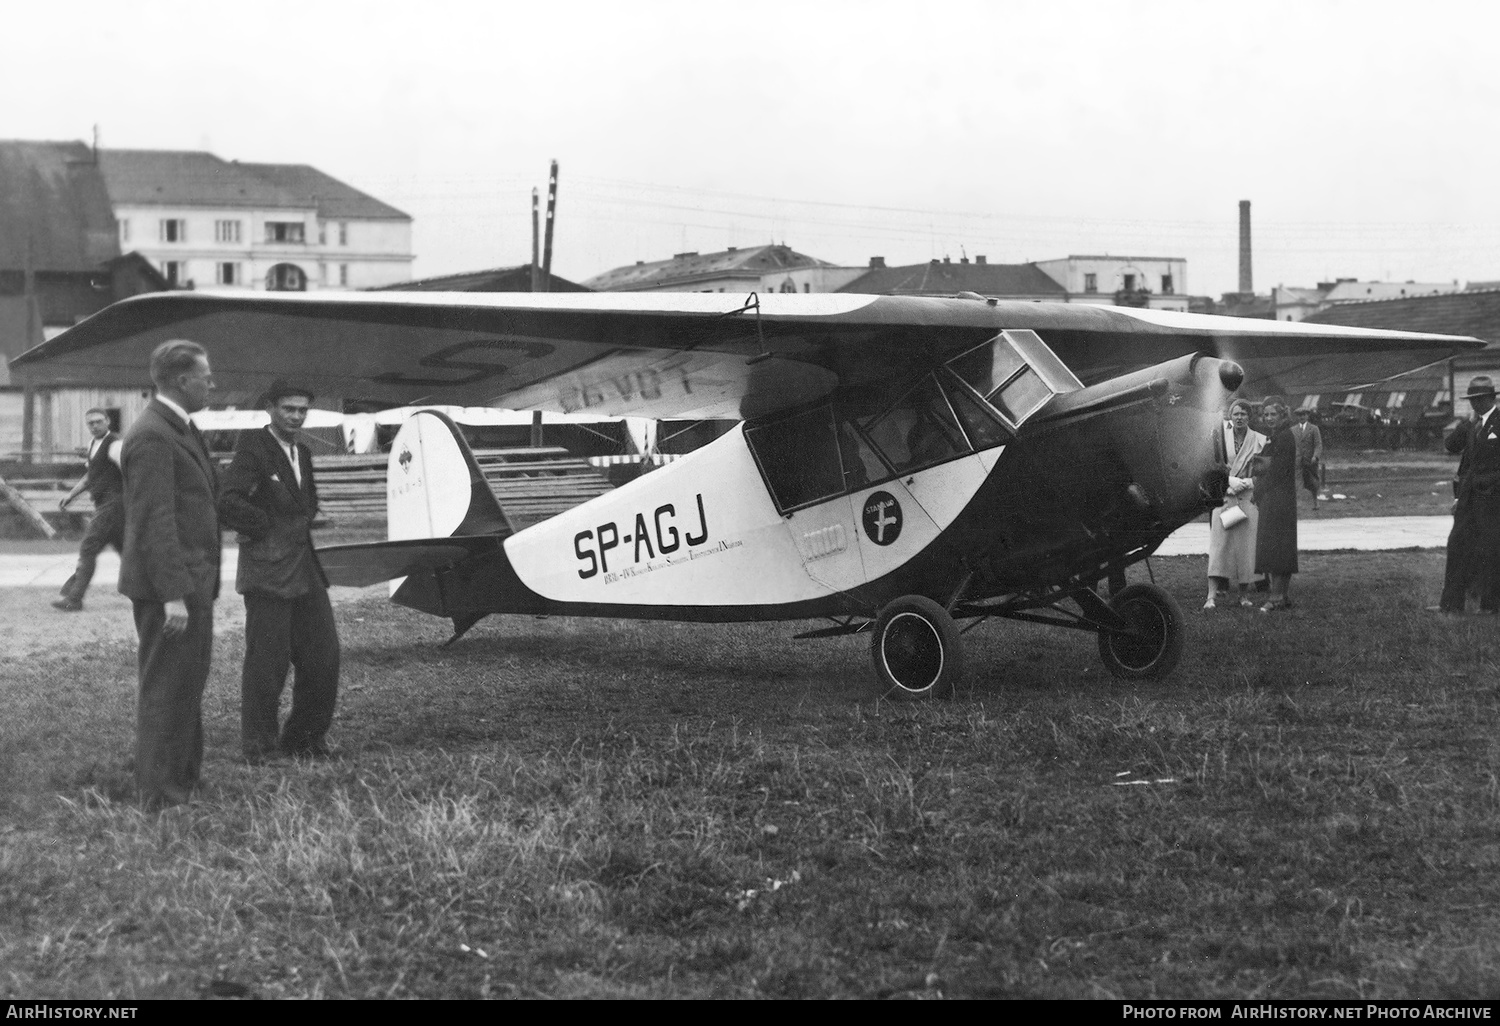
902 464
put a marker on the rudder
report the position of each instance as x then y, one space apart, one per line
434 487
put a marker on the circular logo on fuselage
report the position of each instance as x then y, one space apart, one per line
882 518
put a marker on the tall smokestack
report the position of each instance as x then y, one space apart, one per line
1246 285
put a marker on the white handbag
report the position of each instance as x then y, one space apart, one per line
1233 517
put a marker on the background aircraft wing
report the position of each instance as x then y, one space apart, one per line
669 355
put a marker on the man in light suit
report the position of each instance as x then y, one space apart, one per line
270 497
1474 542
169 568
1309 452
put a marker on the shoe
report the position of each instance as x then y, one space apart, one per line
1247 604
68 605
1209 605
1445 612
1276 606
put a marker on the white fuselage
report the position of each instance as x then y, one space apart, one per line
702 531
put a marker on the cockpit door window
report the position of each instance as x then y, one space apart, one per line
798 457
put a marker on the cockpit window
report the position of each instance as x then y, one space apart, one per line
1016 373
861 466
798 457
918 431
984 429
862 439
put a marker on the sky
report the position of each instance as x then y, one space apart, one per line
1366 135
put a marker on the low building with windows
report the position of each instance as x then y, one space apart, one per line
1291 303
205 222
1158 283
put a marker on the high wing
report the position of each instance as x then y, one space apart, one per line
677 355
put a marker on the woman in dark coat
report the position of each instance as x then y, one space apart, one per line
1276 498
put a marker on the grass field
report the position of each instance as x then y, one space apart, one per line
1310 806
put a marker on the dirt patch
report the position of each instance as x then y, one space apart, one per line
32 627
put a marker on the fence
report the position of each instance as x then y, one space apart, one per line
1354 437
531 485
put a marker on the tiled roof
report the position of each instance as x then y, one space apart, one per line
746 263
185 177
495 279
53 204
332 197
942 278
195 178
1454 313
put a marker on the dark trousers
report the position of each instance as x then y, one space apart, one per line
169 711
281 633
107 528
1473 556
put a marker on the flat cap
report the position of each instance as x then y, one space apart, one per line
280 389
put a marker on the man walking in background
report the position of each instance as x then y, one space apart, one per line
1309 452
270 497
170 570
105 487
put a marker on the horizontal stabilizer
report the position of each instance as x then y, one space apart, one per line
364 563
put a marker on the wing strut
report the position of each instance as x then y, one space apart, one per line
752 302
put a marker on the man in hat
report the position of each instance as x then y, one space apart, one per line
1474 542
1309 452
269 496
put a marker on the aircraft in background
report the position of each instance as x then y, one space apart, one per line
361 434
902 464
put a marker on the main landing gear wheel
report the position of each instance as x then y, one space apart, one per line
917 650
1153 645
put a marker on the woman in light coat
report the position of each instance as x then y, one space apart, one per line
1231 550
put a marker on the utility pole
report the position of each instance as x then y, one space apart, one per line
536 268
551 219
33 335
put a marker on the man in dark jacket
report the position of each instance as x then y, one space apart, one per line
1474 542
106 490
169 568
269 496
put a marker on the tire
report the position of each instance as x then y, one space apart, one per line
1154 647
917 650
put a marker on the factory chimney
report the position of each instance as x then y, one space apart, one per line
1246 286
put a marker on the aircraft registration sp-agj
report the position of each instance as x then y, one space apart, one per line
902 464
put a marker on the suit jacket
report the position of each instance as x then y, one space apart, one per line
1309 442
273 513
171 520
1479 466
103 477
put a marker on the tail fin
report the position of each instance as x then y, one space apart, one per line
434 487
